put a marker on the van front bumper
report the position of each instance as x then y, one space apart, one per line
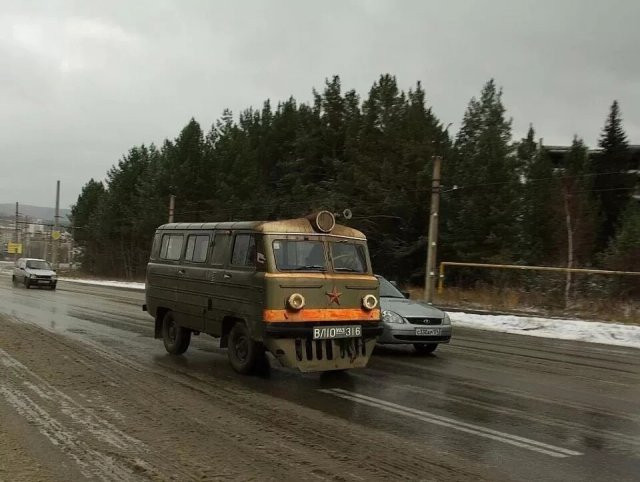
305 330
293 345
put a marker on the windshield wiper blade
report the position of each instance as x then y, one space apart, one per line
350 270
313 267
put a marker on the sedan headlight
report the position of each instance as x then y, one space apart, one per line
446 320
393 318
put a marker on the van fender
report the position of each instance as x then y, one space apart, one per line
160 312
227 325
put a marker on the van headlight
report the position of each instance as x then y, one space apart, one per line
446 320
393 318
296 301
369 302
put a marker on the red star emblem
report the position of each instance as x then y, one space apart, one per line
334 296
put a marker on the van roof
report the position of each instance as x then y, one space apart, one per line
287 226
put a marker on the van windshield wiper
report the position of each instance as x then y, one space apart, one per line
343 268
309 267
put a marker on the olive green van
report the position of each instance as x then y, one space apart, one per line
302 289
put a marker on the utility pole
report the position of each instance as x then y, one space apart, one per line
172 206
56 233
432 242
15 257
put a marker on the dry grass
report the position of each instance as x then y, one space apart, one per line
521 302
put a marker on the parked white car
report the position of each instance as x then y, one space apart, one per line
34 272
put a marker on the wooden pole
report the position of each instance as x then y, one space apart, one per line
432 242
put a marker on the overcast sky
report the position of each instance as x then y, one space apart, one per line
83 81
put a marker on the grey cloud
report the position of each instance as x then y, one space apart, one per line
81 82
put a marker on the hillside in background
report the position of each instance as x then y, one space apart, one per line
35 212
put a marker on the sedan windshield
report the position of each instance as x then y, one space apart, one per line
38 264
294 255
387 290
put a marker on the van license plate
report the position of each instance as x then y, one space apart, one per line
331 332
427 331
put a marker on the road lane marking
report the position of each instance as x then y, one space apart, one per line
478 430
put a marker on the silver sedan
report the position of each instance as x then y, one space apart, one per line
411 322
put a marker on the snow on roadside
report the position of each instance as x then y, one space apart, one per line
578 330
116 284
563 329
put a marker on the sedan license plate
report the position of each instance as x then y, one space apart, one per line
331 332
43 282
427 331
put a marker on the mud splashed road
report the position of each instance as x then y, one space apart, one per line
87 393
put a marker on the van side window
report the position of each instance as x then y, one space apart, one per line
244 250
171 247
197 247
219 252
155 249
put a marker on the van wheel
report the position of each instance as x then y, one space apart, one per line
176 339
27 284
244 353
425 349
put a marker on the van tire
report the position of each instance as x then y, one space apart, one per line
244 354
176 338
424 349
27 284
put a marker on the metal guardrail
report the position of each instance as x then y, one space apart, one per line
443 265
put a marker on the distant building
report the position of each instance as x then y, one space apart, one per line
557 153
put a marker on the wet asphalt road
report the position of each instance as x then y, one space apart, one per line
488 405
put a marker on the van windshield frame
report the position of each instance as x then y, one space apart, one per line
343 256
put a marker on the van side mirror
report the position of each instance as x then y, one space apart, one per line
406 294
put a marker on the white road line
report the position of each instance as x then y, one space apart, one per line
515 440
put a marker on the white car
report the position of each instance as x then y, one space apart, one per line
34 272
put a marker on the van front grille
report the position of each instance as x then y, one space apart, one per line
309 349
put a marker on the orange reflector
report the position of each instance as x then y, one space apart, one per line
329 314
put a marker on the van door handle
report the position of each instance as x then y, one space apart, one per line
227 276
181 271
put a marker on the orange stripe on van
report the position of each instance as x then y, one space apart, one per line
320 314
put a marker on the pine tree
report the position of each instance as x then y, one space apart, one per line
624 252
578 206
612 183
482 217
541 196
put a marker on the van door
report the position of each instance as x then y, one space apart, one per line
162 273
217 303
192 285
245 291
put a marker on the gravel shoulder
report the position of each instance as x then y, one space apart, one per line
106 416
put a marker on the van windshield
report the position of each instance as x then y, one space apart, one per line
294 255
348 257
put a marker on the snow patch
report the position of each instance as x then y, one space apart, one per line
579 330
117 284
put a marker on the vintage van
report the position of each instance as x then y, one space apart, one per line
302 289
